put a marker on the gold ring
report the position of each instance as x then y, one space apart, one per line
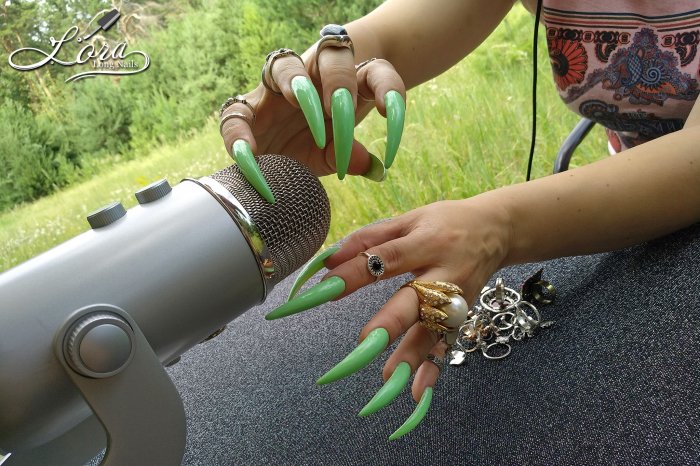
442 308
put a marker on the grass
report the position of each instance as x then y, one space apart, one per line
467 131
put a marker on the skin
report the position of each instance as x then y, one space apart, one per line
643 193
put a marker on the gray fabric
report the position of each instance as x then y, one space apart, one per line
615 380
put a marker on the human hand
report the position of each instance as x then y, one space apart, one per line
462 242
269 120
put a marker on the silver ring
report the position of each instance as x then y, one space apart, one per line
375 264
437 360
360 65
337 41
266 73
239 99
228 116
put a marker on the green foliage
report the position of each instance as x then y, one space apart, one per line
201 52
30 157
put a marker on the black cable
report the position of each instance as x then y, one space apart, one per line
534 90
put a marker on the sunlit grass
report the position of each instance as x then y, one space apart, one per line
467 131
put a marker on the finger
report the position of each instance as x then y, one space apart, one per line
289 75
336 68
422 389
236 127
367 237
380 80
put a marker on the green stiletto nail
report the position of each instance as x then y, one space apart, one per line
371 347
416 416
310 104
389 391
320 293
376 171
311 267
343 116
249 167
395 116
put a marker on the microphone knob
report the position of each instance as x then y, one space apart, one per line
99 345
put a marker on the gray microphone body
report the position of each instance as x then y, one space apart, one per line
182 264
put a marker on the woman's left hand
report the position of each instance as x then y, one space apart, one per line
463 242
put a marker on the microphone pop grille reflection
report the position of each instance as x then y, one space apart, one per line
296 225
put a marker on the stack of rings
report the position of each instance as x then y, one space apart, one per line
239 99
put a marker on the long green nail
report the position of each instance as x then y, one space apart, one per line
371 347
390 390
249 167
376 171
311 267
395 116
416 416
310 104
343 116
320 293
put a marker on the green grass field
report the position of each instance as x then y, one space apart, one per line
466 131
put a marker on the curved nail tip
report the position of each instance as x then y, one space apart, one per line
395 118
244 158
311 267
371 347
320 293
416 416
389 391
310 104
343 122
377 172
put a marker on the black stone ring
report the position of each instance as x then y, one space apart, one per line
375 265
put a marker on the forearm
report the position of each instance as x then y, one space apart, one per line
423 38
640 194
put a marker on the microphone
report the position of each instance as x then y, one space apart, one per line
174 269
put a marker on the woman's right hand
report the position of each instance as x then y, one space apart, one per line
286 116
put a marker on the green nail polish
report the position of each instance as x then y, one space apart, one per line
395 116
389 391
416 416
371 347
249 167
376 171
311 267
343 116
320 293
310 104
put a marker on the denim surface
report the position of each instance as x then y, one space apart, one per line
614 381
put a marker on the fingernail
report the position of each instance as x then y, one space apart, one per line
416 416
320 293
343 116
371 347
395 116
376 171
389 391
310 104
311 267
249 167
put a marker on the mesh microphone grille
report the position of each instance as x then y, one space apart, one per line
295 226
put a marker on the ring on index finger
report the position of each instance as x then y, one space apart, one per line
266 76
239 99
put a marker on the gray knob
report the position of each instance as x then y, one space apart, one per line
99 345
153 191
106 215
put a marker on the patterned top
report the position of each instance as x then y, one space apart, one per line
630 65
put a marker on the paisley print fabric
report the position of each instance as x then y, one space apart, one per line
631 66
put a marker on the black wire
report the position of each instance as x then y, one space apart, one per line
534 90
